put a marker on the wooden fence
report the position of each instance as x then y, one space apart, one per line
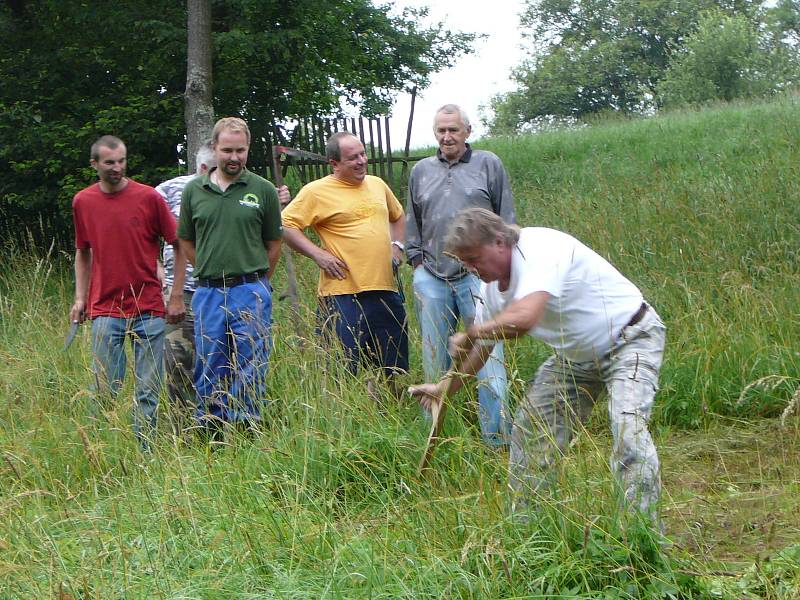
307 140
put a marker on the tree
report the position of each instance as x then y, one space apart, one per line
725 58
278 60
73 71
590 56
784 21
199 106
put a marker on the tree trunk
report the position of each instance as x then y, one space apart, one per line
199 108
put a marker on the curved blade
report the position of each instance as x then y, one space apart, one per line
438 411
73 331
297 153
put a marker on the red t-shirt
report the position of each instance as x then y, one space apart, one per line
123 230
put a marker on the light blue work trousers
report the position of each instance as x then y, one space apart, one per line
440 303
561 397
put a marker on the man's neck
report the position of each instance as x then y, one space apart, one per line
223 180
505 281
452 161
113 189
347 181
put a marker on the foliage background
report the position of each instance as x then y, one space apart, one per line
589 57
76 70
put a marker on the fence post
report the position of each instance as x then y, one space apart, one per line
390 159
404 171
380 148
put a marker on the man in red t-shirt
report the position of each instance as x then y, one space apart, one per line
119 224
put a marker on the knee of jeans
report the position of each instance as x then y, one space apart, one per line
631 435
631 451
626 424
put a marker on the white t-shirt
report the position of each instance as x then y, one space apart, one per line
590 300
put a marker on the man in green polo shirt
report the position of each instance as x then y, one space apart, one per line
230 230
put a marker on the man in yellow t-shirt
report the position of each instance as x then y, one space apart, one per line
361 225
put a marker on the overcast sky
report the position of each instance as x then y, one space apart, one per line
475 78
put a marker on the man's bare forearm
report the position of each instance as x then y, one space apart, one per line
453 380
184 249
273 255
515 321
83 274
330 264
176 309
83 271
397 229
299 242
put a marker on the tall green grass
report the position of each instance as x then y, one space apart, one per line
325 501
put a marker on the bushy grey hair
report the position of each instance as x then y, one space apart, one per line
332 149
478 227
205 156
452 109
106 141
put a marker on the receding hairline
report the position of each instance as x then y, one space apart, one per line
111 142
453 109
333 148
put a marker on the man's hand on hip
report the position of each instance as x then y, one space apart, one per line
333 266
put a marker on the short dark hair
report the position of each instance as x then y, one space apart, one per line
332 150
232 124
106 141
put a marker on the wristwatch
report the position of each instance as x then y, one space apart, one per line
399 244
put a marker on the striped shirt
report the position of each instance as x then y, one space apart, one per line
172 191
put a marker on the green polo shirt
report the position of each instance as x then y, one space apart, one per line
229 228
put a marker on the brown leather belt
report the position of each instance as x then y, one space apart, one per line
233 281
638 315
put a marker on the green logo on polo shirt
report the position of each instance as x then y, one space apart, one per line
250 200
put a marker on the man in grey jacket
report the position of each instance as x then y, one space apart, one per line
440 187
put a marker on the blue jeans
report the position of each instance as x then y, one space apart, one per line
440 303
108 352
232 341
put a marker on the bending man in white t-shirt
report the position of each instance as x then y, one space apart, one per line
547 284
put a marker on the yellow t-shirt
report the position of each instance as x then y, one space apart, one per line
353 223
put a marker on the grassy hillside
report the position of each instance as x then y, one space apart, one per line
699 209
702 211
